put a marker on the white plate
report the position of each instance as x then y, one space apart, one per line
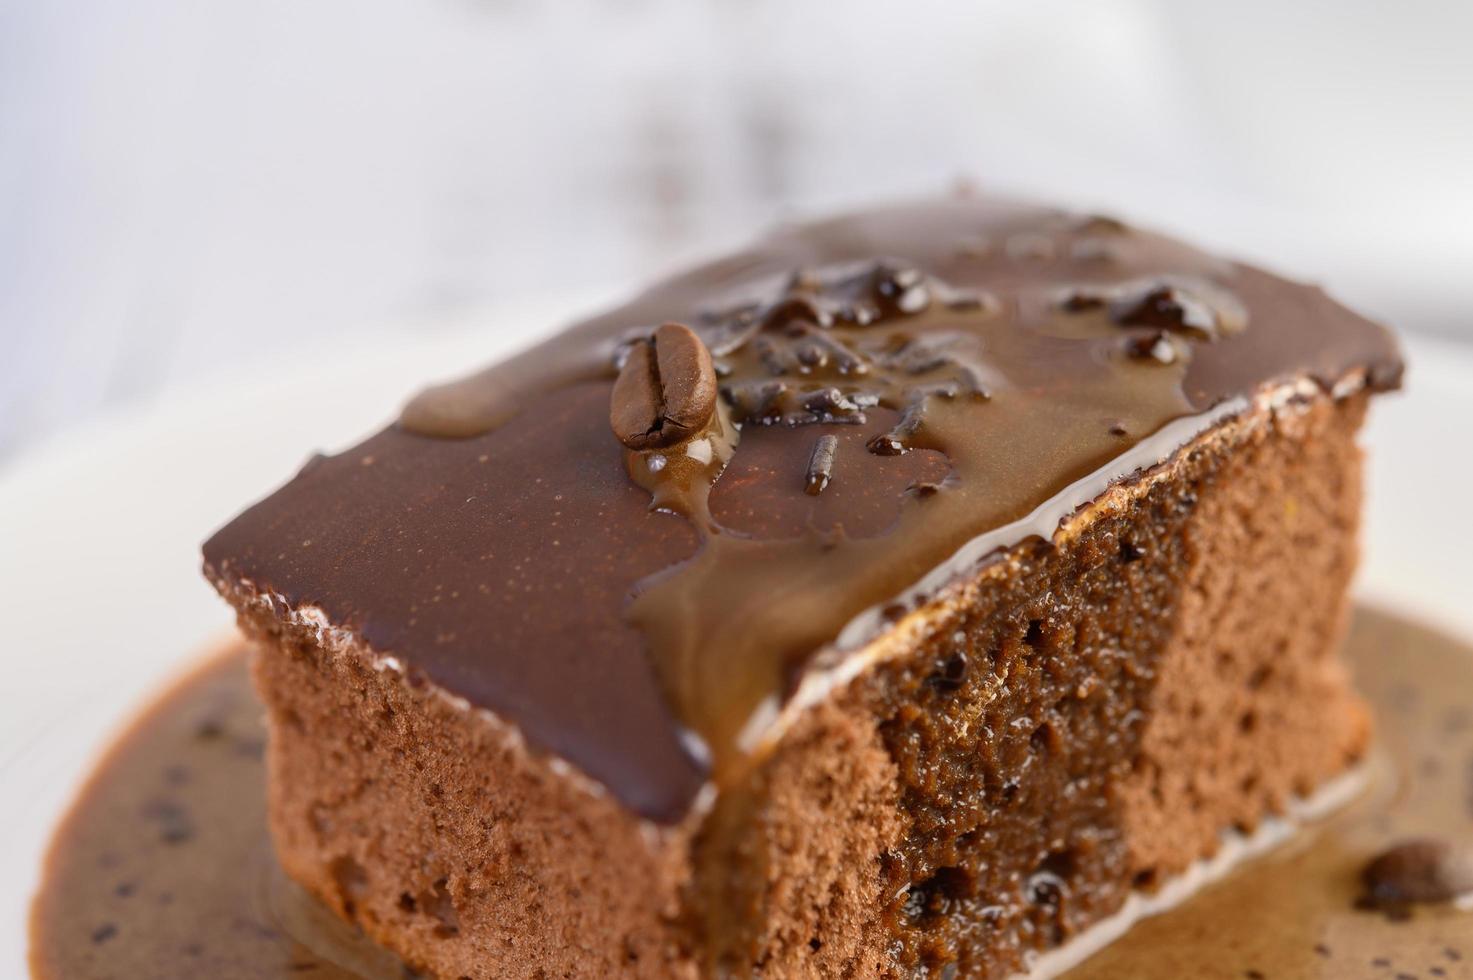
100 530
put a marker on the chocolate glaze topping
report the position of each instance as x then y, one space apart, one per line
892 385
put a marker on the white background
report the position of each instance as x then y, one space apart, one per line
192 190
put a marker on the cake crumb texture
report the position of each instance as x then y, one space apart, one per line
442 839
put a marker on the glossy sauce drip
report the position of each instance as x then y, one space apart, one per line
164 868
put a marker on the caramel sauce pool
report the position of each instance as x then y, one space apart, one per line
163 867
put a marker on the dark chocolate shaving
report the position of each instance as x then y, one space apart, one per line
820 465
897 441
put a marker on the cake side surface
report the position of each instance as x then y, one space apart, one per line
1051 739
434 829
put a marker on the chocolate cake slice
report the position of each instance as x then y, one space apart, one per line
895 598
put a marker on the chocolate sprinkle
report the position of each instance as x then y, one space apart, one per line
820 465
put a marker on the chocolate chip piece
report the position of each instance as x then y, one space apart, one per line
821 465
1420 870
1197 308
796 310
886 444
1155 346
1080 300
829 404
666 391
1166 306
896 442
835 353
901 289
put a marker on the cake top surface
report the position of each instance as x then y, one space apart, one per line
634 540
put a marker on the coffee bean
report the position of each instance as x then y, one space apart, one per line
666 391
1422 870
896 442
